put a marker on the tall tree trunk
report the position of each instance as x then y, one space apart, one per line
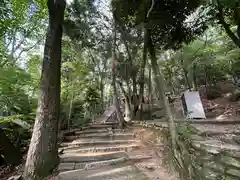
70 108
150 92
206 78
134 93
130 61
42 155
160 87
115 93
128 114
195 87
134 98
185 72
170 76
142 78
186 78
102 93
129 91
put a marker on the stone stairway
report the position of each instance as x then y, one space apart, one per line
100 152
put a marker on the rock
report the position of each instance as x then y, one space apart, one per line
236 139
231 161
215 166
66 166
210 174
233 172
235 96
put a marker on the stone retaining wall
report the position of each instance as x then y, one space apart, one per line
198 157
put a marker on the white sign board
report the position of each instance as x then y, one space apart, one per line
194 105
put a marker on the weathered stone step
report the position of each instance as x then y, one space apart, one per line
89 131
91 140
226 138
218 133
110 172
99 126
90 157
107 138
104 130
84 143
215 146
68 131
123 147
101 136
93 135
98 164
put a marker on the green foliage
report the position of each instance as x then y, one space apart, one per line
168 27
81 19
92 98
13 97
9 119
16 128
210 59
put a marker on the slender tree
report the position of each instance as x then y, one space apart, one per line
115 93
142 79
42 154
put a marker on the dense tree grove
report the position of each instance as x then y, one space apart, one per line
62 63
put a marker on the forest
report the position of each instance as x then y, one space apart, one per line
63 63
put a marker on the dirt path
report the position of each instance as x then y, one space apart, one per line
156 167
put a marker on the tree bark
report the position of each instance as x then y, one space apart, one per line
160 87
42 155
142 76
102 93
11 154
129 91
150 92
195 86
135 98
128 114
134 93
115 93
70 108
185 72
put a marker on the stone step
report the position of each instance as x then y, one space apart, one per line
99 126
104 130
98 164
101 136
64 166
84 143
123 171
91 157
226 138
215 146
69 131
217 133
89 131
122 147
93 135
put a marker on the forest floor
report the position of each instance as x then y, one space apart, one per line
7 172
